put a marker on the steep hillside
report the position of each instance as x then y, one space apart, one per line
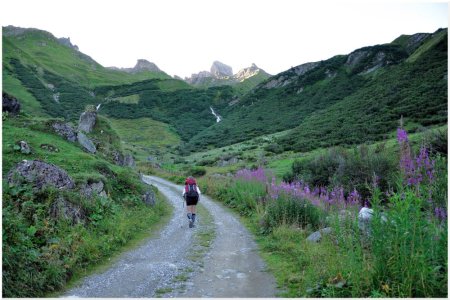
65 210
39 48
187 110
346 99
52 78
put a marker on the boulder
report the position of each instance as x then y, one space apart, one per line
149 198
227 162
40 174
24 147
63 209
317 236
87 144
364 218
10 104
87 121
129 161
65 130
49 148
93 189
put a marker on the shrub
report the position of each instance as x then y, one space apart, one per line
288 210
196 171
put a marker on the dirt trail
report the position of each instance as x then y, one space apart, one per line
175 265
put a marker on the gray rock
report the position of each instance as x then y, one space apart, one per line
24 147
118 158
40 174
49 148
66 42
63 209
302 69
220 70
356 57
141 65
365 216
87 144
227 162
149 198
65 130
93 189
129 161
10 104
317 236
87 121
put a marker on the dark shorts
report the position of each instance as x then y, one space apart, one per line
191 201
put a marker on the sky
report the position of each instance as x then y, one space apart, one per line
185 36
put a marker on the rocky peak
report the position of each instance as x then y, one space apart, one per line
247 72
141 65
66 42
220 70
145 65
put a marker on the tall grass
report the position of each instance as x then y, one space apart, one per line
402 254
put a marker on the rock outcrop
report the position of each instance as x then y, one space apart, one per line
128 161
149 198
40 174
221 73
317 236
247 73
65 130
91 189
87 121
87 144
141 66
220 70
66 42
24 147
64 209
10 104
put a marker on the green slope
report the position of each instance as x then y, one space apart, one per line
40 48
346 99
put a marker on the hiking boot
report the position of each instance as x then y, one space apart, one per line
191 223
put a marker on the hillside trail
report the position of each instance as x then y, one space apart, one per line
217 258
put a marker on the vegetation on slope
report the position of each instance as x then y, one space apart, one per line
342 100
42 49
41 251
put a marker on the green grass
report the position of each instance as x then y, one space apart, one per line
70 251
40 47
427 46
132 99
28 103
145 137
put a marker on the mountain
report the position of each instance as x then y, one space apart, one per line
142 65
346 99
52 77
222 74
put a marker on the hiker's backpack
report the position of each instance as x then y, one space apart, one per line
191 189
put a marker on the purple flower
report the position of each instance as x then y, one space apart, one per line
440 213
402 136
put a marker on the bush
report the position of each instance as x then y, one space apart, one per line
287 210
350 169
196 171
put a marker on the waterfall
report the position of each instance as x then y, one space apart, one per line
218 118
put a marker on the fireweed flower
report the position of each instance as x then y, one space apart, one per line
318 196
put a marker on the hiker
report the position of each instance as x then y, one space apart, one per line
191 194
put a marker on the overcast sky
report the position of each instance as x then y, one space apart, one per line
185 36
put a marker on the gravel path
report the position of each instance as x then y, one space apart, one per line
178 263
